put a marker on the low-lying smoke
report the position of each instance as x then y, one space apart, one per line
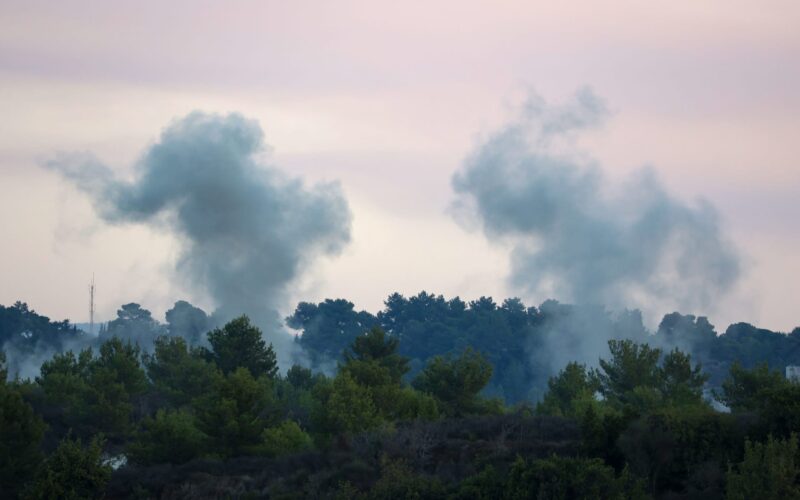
247 229
578 237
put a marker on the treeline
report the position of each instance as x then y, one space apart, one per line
433 378
525 345
29 338
218 420
528 345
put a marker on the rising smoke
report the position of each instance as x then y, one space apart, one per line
246 228
578 237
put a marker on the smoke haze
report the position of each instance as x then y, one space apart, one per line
578 237
247 230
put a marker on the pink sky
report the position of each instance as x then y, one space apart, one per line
388 98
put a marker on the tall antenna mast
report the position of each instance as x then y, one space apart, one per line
91 307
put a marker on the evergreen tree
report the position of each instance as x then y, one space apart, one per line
240 344
171 436
456 383
376 346
179 373
235 413
21 433
569 393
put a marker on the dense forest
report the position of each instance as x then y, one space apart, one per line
429 398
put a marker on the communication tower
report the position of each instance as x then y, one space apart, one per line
91 306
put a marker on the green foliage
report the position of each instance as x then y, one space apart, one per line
569 393
769 471
634 380
115 379
133 324
560 478
378 347
300 377
120 361
235 413
485 485
369 373
681 384
171 436
21 432
631 365
72 472
287 437
96 393
751 346
748 390
398 482
346 407
515 337
601 427
456 383
404 403
667 446
373 364
296 402
429 325
329 327
178 372
346 491
240 344
780 413
765 393
229 403
65 381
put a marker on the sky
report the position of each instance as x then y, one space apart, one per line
390 99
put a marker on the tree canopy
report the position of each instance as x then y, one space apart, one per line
240 344
430 398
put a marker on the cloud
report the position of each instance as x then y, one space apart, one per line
578 236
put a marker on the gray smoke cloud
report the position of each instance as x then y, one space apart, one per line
247 229
579 237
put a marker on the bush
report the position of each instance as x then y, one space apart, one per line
769 471
72 472
285 438
169 437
